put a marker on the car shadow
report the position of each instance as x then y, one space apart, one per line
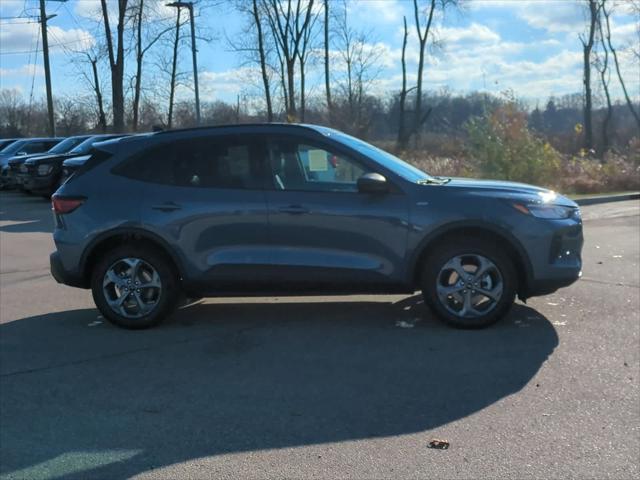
82 399
27 213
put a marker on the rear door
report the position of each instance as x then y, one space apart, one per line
205 196
325 234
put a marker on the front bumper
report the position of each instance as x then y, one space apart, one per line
39 183
558 254
7 178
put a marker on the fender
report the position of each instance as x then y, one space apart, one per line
133 231
443 230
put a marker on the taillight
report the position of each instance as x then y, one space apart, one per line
62 205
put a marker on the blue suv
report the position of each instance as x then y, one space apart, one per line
276 209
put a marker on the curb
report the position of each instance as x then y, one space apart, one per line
607 199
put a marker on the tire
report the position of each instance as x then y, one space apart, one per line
160 302
438 271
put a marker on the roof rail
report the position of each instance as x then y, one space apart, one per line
236 125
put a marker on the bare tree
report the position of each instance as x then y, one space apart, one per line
141 48
587 46
288 25
306 47
359 58
633 111
603 67
420 115
263 59
172 90
255 47
401 141
95 82
423 36
116 61
327 83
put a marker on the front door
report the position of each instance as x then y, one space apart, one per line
324 233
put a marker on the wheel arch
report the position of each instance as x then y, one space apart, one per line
120 236
511 245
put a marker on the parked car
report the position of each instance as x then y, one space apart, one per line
22 150
62 148
5 142
42 175
72 165
295 209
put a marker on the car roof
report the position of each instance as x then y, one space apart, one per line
39 139
272 126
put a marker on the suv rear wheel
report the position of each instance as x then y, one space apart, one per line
134 287
469 283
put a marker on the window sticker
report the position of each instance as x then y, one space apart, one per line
318 161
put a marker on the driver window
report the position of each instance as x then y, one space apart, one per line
299 166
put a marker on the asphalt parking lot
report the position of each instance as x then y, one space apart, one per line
348 387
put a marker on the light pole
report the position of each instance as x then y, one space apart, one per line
189 6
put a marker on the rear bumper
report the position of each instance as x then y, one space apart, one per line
64 276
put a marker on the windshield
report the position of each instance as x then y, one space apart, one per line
14 147
387 160
66 145
85 146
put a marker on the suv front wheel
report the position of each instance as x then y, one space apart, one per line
469 283
134 287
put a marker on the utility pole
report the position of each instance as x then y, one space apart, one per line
189 6
47 70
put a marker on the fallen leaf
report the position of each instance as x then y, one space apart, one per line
438 444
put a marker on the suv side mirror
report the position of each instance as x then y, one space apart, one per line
372 183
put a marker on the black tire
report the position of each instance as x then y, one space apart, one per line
167 299
468 246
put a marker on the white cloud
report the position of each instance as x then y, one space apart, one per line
474 33
376 11
24 37
214 85
27 70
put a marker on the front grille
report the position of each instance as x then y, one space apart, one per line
31 169
23 168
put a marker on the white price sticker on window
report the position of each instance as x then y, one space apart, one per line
318 161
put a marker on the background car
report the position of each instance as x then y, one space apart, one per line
42 175
272 209
19 151
5 142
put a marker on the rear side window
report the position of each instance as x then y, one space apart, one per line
37 147
199 163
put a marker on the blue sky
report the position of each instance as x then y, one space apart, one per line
528 46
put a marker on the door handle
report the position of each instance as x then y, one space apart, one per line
293 209
167 207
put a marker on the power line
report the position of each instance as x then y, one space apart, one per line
61 44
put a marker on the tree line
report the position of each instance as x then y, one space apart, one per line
285 40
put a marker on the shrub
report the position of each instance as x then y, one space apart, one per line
504 148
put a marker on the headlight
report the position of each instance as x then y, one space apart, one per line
45 169
553 212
